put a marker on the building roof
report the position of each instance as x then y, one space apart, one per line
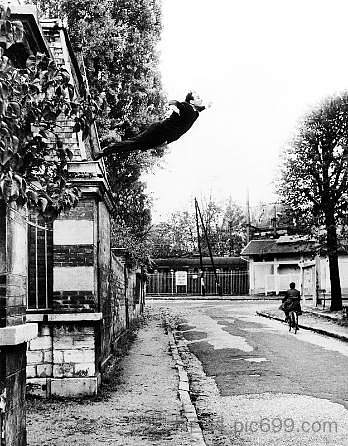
283 245
193 262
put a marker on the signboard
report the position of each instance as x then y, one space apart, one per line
181 278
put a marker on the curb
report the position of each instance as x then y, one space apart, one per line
228 299
184 393
323 315
307 327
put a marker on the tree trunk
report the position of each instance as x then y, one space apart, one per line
331 238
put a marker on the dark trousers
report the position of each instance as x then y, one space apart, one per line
154 136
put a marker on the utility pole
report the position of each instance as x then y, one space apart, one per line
209 248
201 278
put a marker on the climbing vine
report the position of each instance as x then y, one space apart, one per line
34 101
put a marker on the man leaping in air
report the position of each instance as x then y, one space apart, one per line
159 133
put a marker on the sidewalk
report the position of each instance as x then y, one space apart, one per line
315 320
141 408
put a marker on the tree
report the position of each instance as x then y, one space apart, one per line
226 229
314 177
33 160
118 40
234 228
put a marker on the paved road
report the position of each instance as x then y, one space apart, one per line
256 384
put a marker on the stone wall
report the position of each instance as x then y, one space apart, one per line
91 301
14 332
74 259
90 304
63 350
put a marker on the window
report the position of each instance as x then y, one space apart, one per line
40 263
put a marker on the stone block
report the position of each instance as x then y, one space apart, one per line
63 370
78 278
34 357
41 343
17 334
85 369
73 232
63 343
86 343
31 371
38 387
79 356
58 356
44 370
73 387
48 355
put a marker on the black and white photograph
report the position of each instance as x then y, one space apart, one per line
173 223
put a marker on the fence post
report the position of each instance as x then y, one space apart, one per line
172 280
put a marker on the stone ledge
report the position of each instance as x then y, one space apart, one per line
64 317
18 334
64 387
188 408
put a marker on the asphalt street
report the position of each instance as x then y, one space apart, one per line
254 383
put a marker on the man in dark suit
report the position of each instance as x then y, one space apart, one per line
291 301
159 133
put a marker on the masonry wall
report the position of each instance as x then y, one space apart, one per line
114 311
89 305
63 351
74 259
89 301
13 330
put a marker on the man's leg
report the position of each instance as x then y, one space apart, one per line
154 136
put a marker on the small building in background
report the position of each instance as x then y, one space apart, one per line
183 276
274 263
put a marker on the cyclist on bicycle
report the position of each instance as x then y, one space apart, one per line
291 301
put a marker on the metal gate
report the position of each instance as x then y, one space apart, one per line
164 283
40 263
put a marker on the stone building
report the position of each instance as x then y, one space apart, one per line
66 298
15 332
80 294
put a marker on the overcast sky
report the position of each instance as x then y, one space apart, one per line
262 64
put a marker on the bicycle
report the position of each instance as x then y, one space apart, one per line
293 321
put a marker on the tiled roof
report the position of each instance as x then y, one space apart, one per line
258 247
280 246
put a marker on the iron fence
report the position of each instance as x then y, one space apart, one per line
232 283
